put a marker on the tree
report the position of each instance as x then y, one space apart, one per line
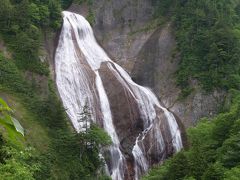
214 149
19 165
232 174
214 172
92 139
6 14
229 152
55 14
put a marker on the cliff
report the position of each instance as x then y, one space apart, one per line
147 49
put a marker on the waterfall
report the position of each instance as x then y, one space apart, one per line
79 62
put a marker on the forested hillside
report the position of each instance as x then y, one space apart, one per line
50 149
208 38
22 26
208 45
213 151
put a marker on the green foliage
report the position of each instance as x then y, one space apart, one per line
21 26
232 174
88 2
213 153
66 3
7 121
55 14
229 152
18 164
68 155
208 38
207 42
79 152
163 7
11 78
91 16
214 172
62 158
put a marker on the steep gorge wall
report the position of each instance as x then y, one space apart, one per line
126 31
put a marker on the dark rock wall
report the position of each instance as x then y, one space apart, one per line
148 54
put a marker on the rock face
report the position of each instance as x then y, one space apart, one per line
125 30
121 100
156 65
143 132
120 27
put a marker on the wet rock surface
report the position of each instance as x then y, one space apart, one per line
126 116
129 124
150 56
143 132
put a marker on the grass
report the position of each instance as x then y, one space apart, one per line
35 134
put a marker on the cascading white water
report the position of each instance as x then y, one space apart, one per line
78 60
73 83
147 100
117 157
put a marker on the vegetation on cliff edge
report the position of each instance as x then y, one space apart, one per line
213 153
208 38
50 148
